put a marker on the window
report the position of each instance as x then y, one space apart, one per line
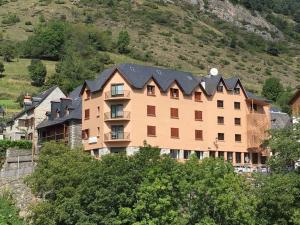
174 153
118 150
117 132
198 134
151 90
237 121
86 114
174 113
263 159
238 138
88 94
151 110
221 137
199 154
117 111
198 96
98 111
238 157
151 131
221 155
174 133
237 90
237 105
95 152
220 104
230 156
174 93
198 115
220 120
212 154
186 154
254 107
117 89
246 157
220 88
254 158
98 133
85 134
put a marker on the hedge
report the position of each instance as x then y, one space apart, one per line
5 144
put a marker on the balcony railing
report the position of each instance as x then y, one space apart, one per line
56 137
122 115
117 95
117 137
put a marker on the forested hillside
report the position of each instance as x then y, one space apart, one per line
75 40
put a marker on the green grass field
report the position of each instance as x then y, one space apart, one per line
16 80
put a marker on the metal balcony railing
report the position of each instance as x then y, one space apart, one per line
116 136
117 95
121 115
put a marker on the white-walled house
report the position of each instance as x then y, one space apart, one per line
23 124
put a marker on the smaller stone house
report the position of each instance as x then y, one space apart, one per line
23 125
295 105
63 122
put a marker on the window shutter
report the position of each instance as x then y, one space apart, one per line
151 130
87 114
150 110
197 96
198 134
174 113
198 115
174 132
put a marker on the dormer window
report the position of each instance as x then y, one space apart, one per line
174 93
198 96
150 90
220 88
88 94
57 113
237 90
67 111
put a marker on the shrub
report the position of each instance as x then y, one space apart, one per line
10 19
28 23
38 72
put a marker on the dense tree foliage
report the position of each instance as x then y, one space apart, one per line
37 71
2 69
151 189
123 42
272 88
285 146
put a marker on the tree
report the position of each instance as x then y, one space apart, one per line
38 72
7 52
272 88
46 42
2 69
123 42
278 196
285 147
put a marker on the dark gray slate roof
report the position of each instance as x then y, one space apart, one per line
73 103
280 120
37 100
138 75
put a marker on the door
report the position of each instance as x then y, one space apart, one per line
117 89
116 111
117 132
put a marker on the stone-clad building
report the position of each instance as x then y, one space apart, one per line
23 125
63 122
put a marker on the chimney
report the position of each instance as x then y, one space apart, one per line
27 101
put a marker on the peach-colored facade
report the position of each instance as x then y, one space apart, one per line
241 143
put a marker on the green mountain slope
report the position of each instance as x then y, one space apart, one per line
179 35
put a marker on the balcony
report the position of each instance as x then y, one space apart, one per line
117 95
117 137
119 116
258 124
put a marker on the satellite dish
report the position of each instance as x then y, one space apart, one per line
214 71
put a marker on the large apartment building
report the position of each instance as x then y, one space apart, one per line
180 113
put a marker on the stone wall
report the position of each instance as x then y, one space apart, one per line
75 138
17 166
